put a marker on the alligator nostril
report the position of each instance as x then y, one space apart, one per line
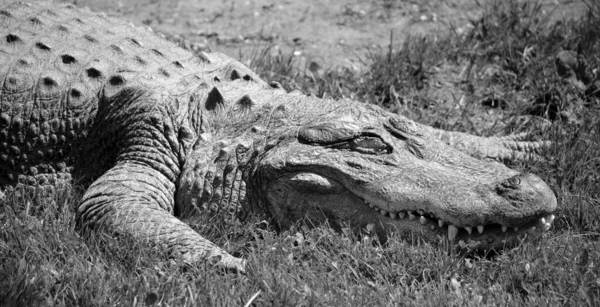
512 182
513 187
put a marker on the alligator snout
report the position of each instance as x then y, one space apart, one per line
524 180
527 196
527 190
535 183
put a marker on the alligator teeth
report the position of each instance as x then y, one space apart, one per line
469 229
452 232
480 229
544 223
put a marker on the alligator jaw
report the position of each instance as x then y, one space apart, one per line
480 237
320 199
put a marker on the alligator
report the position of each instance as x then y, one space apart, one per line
154 132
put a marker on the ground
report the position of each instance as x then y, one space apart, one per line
328 33
334 35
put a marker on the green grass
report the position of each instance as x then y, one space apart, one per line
45 262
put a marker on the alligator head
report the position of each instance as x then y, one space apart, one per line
348 163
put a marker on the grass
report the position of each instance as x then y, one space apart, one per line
505 71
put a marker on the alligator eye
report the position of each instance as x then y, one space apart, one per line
371 145
344 138
366 144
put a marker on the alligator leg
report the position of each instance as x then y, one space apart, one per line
133 199
508 148
136 195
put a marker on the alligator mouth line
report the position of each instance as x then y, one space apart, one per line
298 193
475 235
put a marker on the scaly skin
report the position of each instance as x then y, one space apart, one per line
155 132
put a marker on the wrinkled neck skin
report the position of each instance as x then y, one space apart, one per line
215 179
299 158
218 175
